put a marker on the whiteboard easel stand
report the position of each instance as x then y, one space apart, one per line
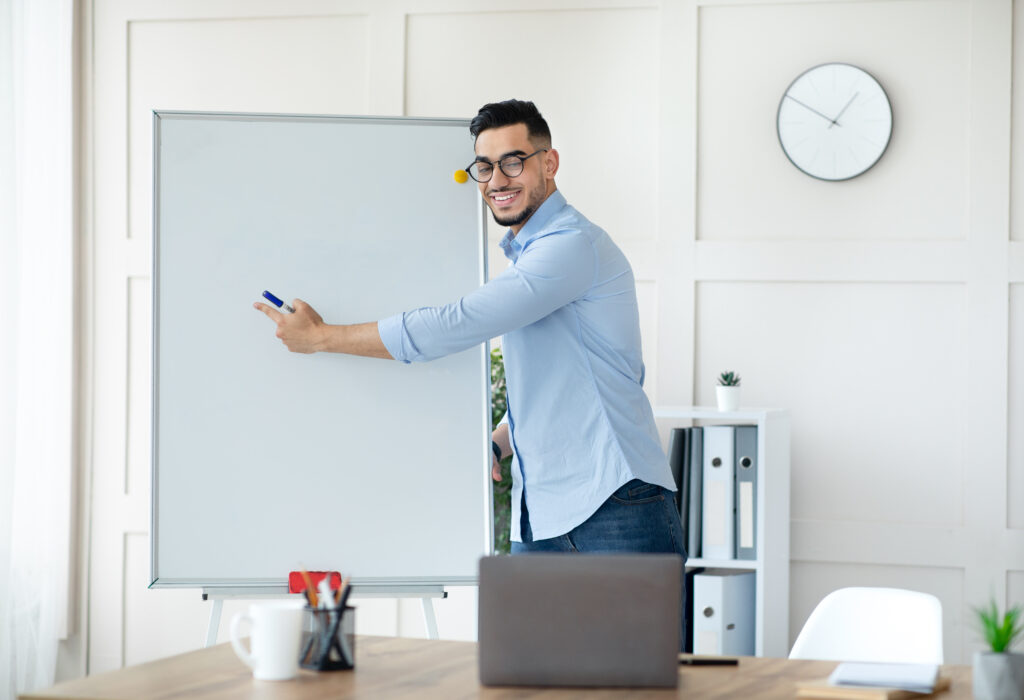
425 593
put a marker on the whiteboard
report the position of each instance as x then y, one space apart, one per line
265 461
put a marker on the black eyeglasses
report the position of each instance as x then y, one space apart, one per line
511 166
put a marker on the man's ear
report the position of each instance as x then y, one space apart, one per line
550 163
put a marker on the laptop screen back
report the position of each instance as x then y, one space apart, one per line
580 620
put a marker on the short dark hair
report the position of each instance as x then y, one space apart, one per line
509 112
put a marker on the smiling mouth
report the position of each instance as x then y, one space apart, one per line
504 199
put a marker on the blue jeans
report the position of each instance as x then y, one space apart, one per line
638 517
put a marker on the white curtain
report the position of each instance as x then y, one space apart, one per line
37 256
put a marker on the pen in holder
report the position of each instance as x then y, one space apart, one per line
331 644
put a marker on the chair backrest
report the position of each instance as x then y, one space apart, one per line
874 625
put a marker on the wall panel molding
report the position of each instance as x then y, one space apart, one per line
824 541
832 261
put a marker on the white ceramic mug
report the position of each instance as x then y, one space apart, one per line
274 640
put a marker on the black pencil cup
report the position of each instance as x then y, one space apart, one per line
331 643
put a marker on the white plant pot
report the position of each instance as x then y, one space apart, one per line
998 676
728 398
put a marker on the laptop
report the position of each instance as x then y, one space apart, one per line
580 620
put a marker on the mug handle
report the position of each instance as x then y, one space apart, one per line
243 654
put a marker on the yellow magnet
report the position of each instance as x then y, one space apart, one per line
461 176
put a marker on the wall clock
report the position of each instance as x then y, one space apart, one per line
834 121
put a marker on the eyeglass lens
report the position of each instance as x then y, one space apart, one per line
510 165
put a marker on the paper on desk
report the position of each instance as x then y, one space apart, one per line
919 678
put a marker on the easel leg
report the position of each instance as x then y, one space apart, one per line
211 631
429 617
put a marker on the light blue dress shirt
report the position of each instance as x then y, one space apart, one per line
566 309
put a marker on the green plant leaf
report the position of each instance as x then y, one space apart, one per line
502 490
1000 631
728 379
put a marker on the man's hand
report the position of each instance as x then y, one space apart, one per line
301 331
500 436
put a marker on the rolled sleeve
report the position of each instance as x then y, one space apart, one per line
393 335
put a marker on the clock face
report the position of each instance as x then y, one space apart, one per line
834 121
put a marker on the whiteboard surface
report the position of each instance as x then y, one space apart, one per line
265 461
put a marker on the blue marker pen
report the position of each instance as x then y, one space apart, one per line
277 302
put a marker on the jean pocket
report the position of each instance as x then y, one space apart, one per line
637 492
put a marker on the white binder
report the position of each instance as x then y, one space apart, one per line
718 512
723 613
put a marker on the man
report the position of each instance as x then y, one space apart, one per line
588 472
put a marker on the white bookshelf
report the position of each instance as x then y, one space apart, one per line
771 633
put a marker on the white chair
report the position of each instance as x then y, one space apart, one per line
874 625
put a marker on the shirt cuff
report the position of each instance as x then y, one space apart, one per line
391 330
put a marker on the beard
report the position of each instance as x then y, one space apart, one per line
534 199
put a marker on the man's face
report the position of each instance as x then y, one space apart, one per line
514 199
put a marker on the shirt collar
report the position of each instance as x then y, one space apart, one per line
513 244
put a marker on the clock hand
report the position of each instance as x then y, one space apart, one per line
810 108
836 120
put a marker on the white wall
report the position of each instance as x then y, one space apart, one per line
887 312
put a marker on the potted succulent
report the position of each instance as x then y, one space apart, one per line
999 674
728 391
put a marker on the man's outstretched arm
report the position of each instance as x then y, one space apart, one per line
305 331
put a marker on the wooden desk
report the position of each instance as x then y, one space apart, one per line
387 667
